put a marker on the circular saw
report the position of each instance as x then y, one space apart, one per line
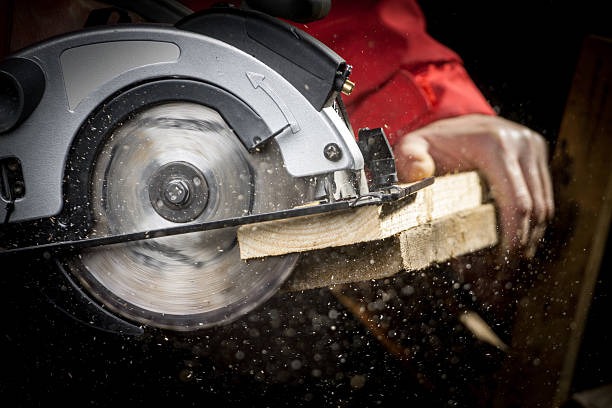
130 155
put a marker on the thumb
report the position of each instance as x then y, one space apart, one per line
412 159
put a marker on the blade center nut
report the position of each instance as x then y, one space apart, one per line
177 192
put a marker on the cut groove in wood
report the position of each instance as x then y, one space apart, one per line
448 195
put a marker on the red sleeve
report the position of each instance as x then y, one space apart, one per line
405 79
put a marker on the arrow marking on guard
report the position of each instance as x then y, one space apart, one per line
257 80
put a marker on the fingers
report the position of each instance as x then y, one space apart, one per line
509 189
545 176
512 158
537 233
530 168
534 162
529 161
412 160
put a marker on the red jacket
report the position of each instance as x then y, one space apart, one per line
404 78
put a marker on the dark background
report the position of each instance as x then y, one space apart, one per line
522 56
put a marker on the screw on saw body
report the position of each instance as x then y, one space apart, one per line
332 152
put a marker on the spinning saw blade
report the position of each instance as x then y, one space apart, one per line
179 163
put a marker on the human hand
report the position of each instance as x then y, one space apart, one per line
512 158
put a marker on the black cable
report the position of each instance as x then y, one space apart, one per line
10 206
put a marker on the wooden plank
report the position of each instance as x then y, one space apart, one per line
552 314
448 237
416 248
449 194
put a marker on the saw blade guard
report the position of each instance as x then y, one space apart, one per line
97 65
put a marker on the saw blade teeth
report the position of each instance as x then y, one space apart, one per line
194 280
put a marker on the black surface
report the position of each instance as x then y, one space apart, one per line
311 67
100 17
62 291
300 349
155 11
521 54
594 364
301 11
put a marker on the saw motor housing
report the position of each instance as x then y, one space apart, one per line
139 65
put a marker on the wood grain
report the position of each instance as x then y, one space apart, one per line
448 195
416 248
